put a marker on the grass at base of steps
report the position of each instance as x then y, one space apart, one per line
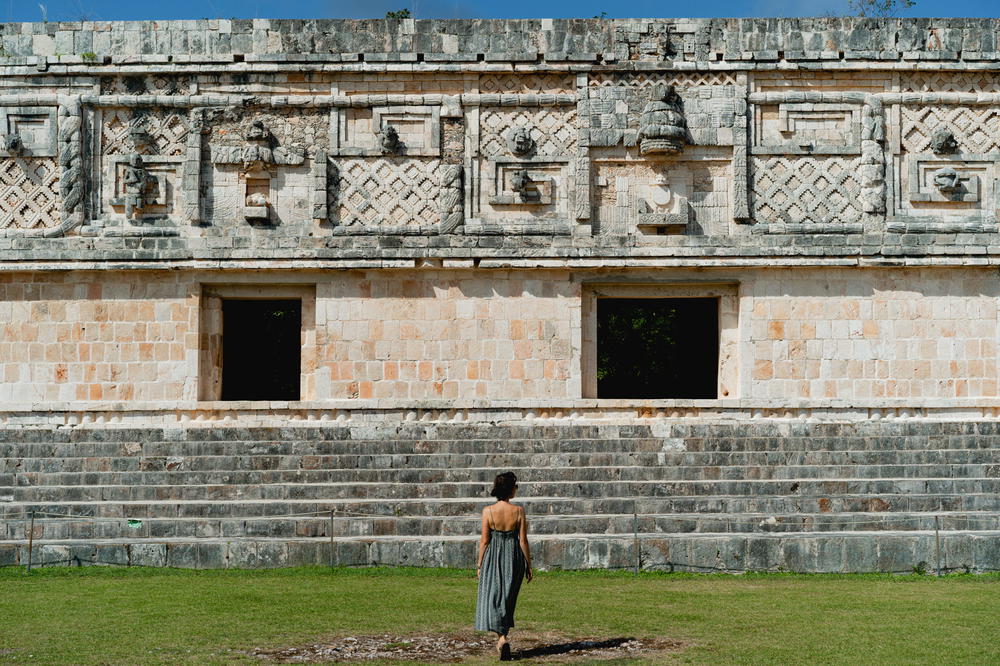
99 615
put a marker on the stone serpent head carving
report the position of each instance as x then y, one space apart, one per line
13 144
389 139
947 180
519 181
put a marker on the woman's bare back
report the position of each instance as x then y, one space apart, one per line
504 516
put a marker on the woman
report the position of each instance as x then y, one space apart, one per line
504 559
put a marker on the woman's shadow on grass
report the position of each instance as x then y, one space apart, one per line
566 648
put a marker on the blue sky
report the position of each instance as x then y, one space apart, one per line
75 10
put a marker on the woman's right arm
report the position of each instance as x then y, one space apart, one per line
484 540
523 538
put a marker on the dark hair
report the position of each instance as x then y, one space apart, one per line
504 485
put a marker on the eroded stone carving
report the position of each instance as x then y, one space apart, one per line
258 150
520 181
943 141
71 160
519 141
451 199
13 143
946 180
135 181
257 157
389 140
871 174
662 129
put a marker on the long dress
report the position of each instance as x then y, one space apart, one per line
500 576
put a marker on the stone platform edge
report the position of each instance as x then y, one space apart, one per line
307 413
958 552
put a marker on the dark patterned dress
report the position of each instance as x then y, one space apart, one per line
500 576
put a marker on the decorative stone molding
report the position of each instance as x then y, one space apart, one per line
71 162
872 171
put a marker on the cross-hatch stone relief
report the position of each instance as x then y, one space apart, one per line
167 131
525 83
646 80
29 193
976 129
554 131
806 189
153 84
949 82
377 192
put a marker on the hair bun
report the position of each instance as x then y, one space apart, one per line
503 485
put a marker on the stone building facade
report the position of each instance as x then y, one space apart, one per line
281 292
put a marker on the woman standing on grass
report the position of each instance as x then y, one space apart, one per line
504 559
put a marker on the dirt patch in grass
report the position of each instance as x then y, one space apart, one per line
453 648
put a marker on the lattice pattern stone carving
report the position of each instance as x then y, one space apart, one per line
799 189
553 130
388 192
140 85
949 82
976 129
525 83
29 196
167 130
646 80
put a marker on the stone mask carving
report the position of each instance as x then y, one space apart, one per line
519 141
389 139
661 127
947 180
139 139
258 151
943 141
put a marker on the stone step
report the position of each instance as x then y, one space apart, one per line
246 462
535 505
898 552
48 528
400 444
804 487
531 474
493 462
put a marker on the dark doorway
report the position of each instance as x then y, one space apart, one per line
261 349
657 347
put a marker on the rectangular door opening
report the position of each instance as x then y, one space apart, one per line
261 349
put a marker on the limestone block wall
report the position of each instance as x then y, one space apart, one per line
97 336
805 336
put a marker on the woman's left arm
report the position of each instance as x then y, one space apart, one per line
523 538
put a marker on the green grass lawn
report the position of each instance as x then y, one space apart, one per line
131 616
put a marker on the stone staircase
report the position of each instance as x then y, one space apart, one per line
755 495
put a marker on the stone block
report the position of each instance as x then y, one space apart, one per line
147 554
